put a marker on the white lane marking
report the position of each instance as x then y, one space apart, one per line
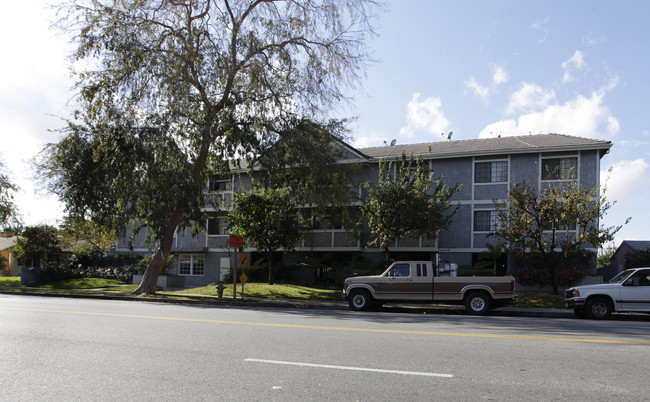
400 372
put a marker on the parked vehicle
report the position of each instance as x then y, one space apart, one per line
422 282
628 291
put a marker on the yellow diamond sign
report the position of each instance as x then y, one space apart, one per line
243 278
243 260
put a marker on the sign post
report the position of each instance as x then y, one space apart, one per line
236 242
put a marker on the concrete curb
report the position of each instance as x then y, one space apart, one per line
317 305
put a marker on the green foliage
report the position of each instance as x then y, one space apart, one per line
9 281
9 216
637 258
84 236
254 290
407 201
268 220
487 263
4 268
539 299
562 217
93 263
38 244
81 283
605 256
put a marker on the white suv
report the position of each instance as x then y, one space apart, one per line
628 291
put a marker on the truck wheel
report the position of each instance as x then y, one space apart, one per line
598 308
360 300
477 303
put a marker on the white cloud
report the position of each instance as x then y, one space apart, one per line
475 87
581 116
574 64
371 140
626 180
425 115
590 40
529 97
541 27
500 75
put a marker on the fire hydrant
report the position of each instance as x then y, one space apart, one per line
220 289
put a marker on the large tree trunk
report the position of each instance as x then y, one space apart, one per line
150 277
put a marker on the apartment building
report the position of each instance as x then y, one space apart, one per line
486 168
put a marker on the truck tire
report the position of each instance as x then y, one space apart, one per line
477 303
598 308
360 300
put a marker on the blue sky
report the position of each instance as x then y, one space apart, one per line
476 68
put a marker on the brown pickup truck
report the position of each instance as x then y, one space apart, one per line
418 282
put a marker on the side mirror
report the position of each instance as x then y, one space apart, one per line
629 282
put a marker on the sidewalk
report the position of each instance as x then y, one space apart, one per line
440 309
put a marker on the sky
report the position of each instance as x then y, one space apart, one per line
477 68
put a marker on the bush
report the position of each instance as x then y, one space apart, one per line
93 263
567 276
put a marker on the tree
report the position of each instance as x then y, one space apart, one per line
637 259
268 219
552 223
407 201
38 244
605 255
82 235
172 90
9 216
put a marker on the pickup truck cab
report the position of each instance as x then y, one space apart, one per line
628 291
419 282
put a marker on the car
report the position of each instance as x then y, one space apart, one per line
629 291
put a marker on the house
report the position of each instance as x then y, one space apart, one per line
618 259
486 168
7 243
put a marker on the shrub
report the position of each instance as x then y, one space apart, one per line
567 276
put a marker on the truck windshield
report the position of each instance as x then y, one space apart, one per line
621 277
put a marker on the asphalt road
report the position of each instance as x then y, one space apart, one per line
76 349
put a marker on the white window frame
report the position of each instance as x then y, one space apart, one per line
195 260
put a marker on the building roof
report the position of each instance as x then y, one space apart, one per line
637 244
8 242
491 146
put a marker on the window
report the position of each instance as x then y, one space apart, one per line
559 168
400 270
218 184
191 264
329 220
641 278
485 221
491 172
218 226
422 269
